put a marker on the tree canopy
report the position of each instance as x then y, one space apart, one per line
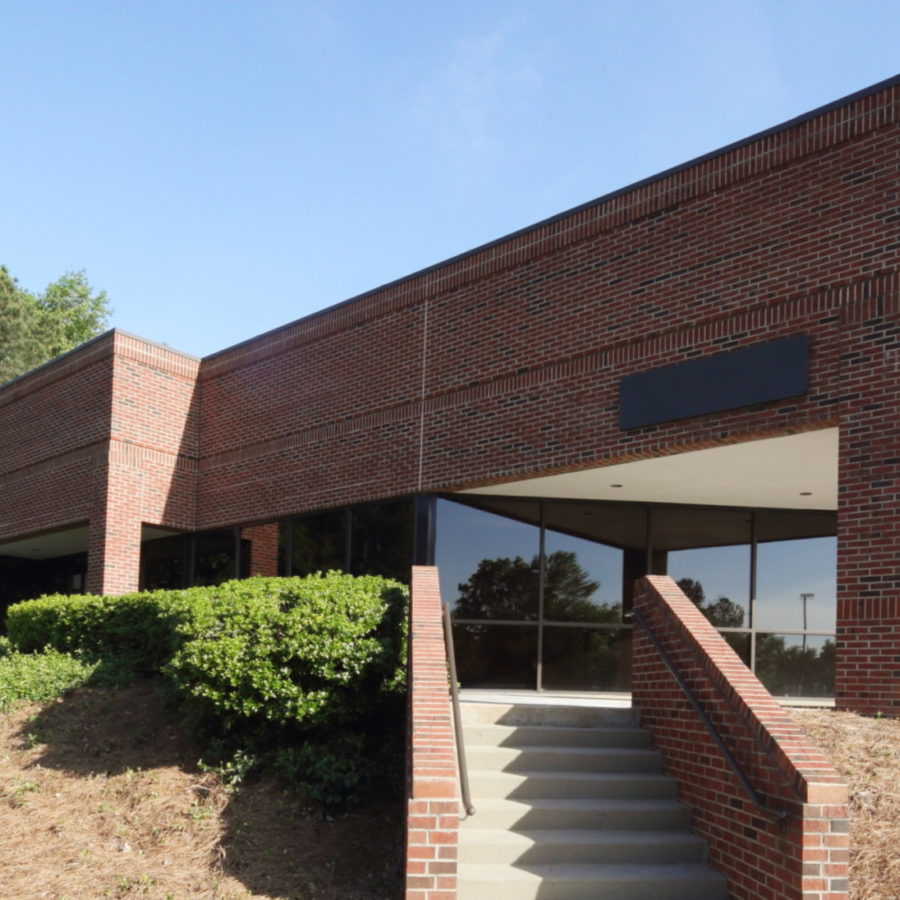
35 327
723 613
506 588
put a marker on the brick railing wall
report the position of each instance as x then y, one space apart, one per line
433 799
808 857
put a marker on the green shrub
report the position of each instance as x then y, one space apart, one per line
295 653
39 677
306 673
136 632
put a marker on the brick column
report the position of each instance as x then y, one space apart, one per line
868 609
432 817
263 549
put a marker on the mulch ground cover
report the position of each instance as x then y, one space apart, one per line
101 796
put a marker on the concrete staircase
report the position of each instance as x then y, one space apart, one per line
571 804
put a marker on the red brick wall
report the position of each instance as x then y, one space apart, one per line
505 363
54 424
520 346
868 521
263 549
809 857
432 818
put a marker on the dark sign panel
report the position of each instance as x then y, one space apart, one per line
760 373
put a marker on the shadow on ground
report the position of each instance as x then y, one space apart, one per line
270 842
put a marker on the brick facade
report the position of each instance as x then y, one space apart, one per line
504 363
807 856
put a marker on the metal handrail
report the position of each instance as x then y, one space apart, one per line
457 722
778 814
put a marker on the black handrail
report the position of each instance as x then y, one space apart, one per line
457 723
778 814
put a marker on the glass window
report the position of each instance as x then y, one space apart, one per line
717 579
498 656
382 538
214 557
582 580
796 581
793 665
318 543
586 659
489 565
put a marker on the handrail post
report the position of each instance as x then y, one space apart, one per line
457 723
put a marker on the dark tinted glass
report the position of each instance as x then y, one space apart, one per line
498 656
489 565
318 543
382 537
586 659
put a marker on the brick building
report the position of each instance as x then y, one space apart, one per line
694 375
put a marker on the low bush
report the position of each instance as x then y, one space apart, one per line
307 674
273 653
39 677
304 674
134 632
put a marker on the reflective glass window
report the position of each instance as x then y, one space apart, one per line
582 580
797 580
793 665
489 565
498 656
717 579
586 659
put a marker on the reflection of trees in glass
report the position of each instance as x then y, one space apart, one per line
723 613
795 670
501 588
506 588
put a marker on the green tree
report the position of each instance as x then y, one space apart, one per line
35 327
507 588
723 613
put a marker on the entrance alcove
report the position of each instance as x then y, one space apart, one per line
539 572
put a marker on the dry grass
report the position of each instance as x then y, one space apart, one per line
100 797
867 754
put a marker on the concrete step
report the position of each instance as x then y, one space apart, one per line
566 716
486 734
564 759
578 845
570 881
543 784
571 803
576 813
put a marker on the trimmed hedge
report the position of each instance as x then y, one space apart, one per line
293 652
306 674
135 631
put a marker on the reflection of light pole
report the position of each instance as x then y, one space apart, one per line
804 598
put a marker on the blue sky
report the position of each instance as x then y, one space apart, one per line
222 168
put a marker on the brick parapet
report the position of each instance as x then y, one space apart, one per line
807 858
840 122
433 798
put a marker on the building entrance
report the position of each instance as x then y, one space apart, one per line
538 587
